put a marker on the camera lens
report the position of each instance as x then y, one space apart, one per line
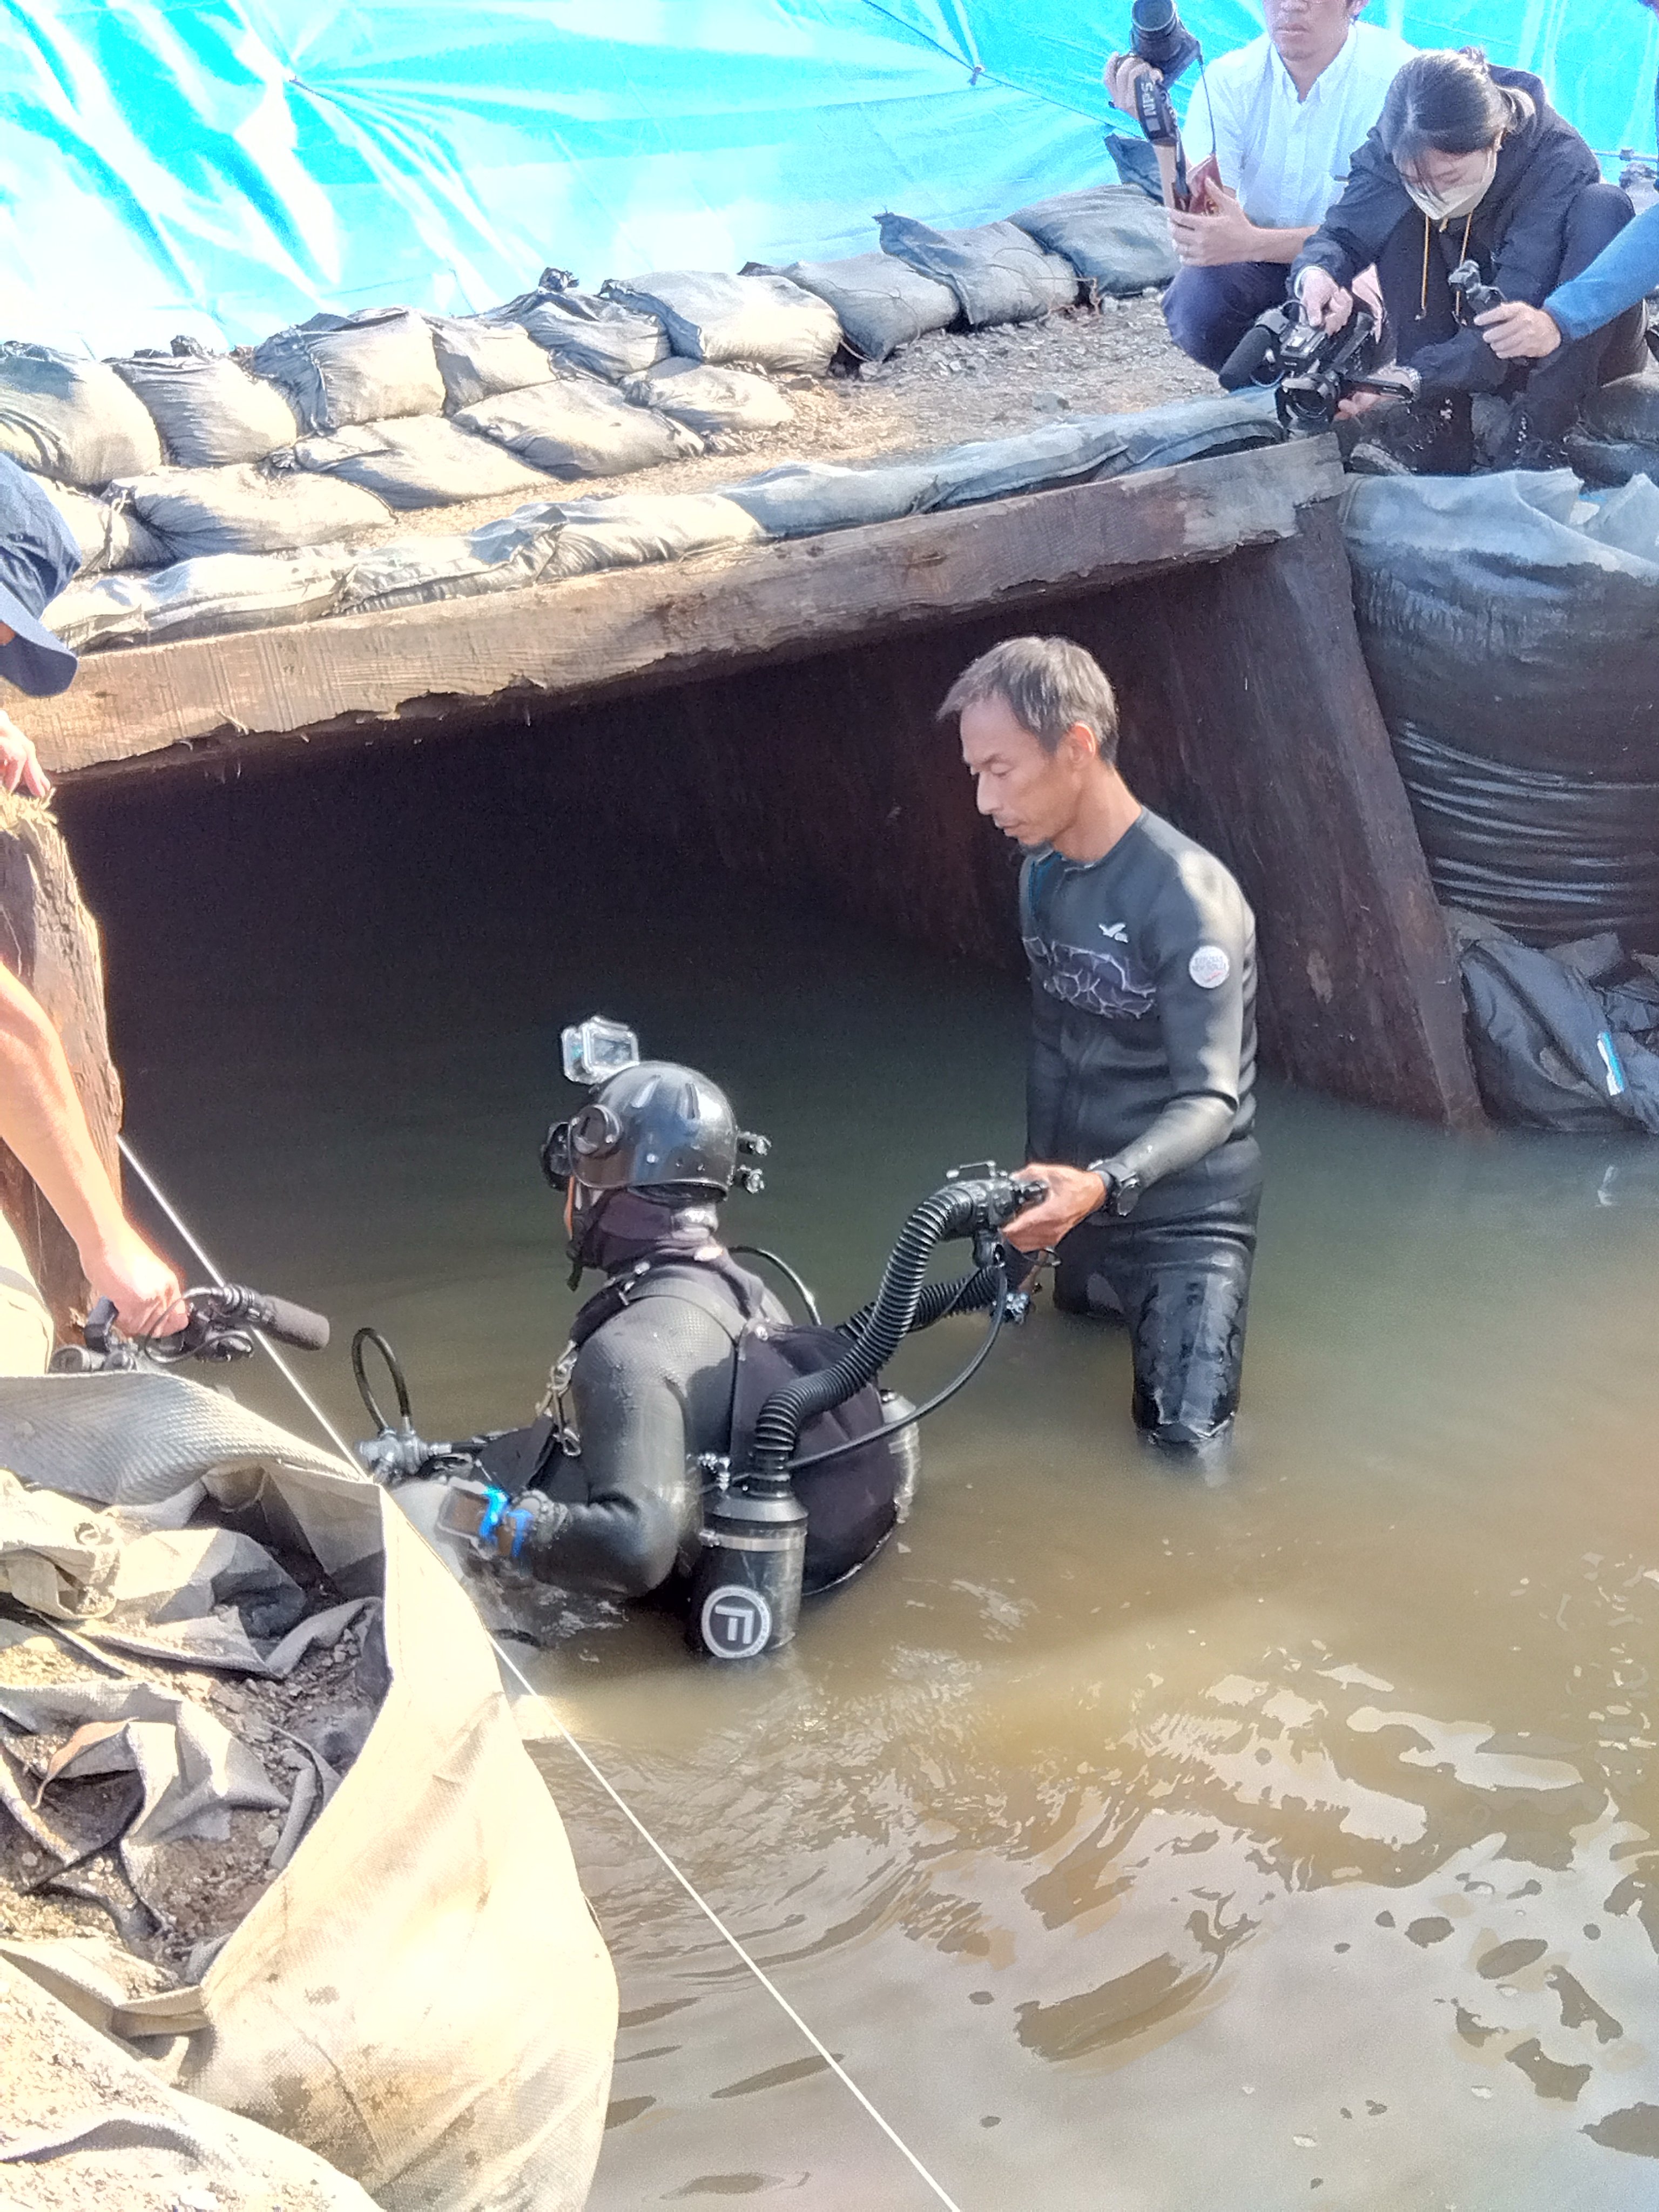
1158 37
1154 15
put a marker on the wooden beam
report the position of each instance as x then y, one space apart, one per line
635 628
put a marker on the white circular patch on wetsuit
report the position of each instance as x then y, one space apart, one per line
1209 967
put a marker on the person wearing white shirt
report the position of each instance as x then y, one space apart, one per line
1269 132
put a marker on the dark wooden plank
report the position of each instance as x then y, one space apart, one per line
666 623
1254 722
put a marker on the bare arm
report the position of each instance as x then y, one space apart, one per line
42 1118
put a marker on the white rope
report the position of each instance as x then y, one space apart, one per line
613 1794
721 1930
281 1365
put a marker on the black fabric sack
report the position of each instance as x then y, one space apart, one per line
1561 1040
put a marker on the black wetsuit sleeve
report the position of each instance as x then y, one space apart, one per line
620 1510
1197 943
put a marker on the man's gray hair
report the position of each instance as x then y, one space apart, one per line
1048 684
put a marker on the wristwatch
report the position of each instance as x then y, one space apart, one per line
1122 1191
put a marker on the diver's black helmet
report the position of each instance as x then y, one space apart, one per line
654 1124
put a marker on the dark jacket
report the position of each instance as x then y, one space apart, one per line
1517 234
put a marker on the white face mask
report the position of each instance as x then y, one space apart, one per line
1446 207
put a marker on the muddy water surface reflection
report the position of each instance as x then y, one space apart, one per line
1138 1843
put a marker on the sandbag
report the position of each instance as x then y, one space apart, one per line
597 336
64 416
765 321
1514 644
710 401
516 549
420 1995
997 271
1616 436
208 409
245 510
83 2122
207 597
623 532
478 356
1490 622
340 369
576 427
800 498
1114 237
109 536
1136 162
880 302
420 460
1548 856
1562 1039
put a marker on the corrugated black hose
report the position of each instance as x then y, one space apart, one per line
955 1211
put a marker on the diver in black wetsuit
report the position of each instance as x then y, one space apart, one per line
1139 1092
667 1359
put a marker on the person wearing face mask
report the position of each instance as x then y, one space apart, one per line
1468 164
1269 134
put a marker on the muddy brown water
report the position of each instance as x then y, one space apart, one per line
1137 1842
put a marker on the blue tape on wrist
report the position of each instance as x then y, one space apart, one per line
522 1521
493 1511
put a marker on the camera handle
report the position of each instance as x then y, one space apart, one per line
1156 118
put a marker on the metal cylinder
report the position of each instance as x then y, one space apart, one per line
745 1587
906 1449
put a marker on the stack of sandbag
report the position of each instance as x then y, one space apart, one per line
247 1718
548 541
1511 628
998 272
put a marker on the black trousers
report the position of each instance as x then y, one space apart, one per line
1435 435
1183 1287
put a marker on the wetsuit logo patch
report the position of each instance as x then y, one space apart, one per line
1209 967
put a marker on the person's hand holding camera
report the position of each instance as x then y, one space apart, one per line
1119 76
1323 301
1215 231
1516 331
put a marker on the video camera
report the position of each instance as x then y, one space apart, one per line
1158 38
1315 370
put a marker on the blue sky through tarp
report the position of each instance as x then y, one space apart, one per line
224 167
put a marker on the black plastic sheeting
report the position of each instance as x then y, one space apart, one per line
1542 852
1563 1039
1514 650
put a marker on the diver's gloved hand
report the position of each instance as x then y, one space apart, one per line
508 1532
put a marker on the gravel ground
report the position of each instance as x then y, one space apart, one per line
944 390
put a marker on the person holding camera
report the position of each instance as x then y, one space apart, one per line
1140 1104
1470 175
1618 280
1268 135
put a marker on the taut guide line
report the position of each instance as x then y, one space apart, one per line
609 1788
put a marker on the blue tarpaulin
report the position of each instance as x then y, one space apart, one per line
224 167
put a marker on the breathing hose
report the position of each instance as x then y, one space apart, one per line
999 1304
963 1294
959 1209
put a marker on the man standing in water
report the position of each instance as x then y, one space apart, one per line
1140 1089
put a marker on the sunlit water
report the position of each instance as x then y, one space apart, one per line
1138 1843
